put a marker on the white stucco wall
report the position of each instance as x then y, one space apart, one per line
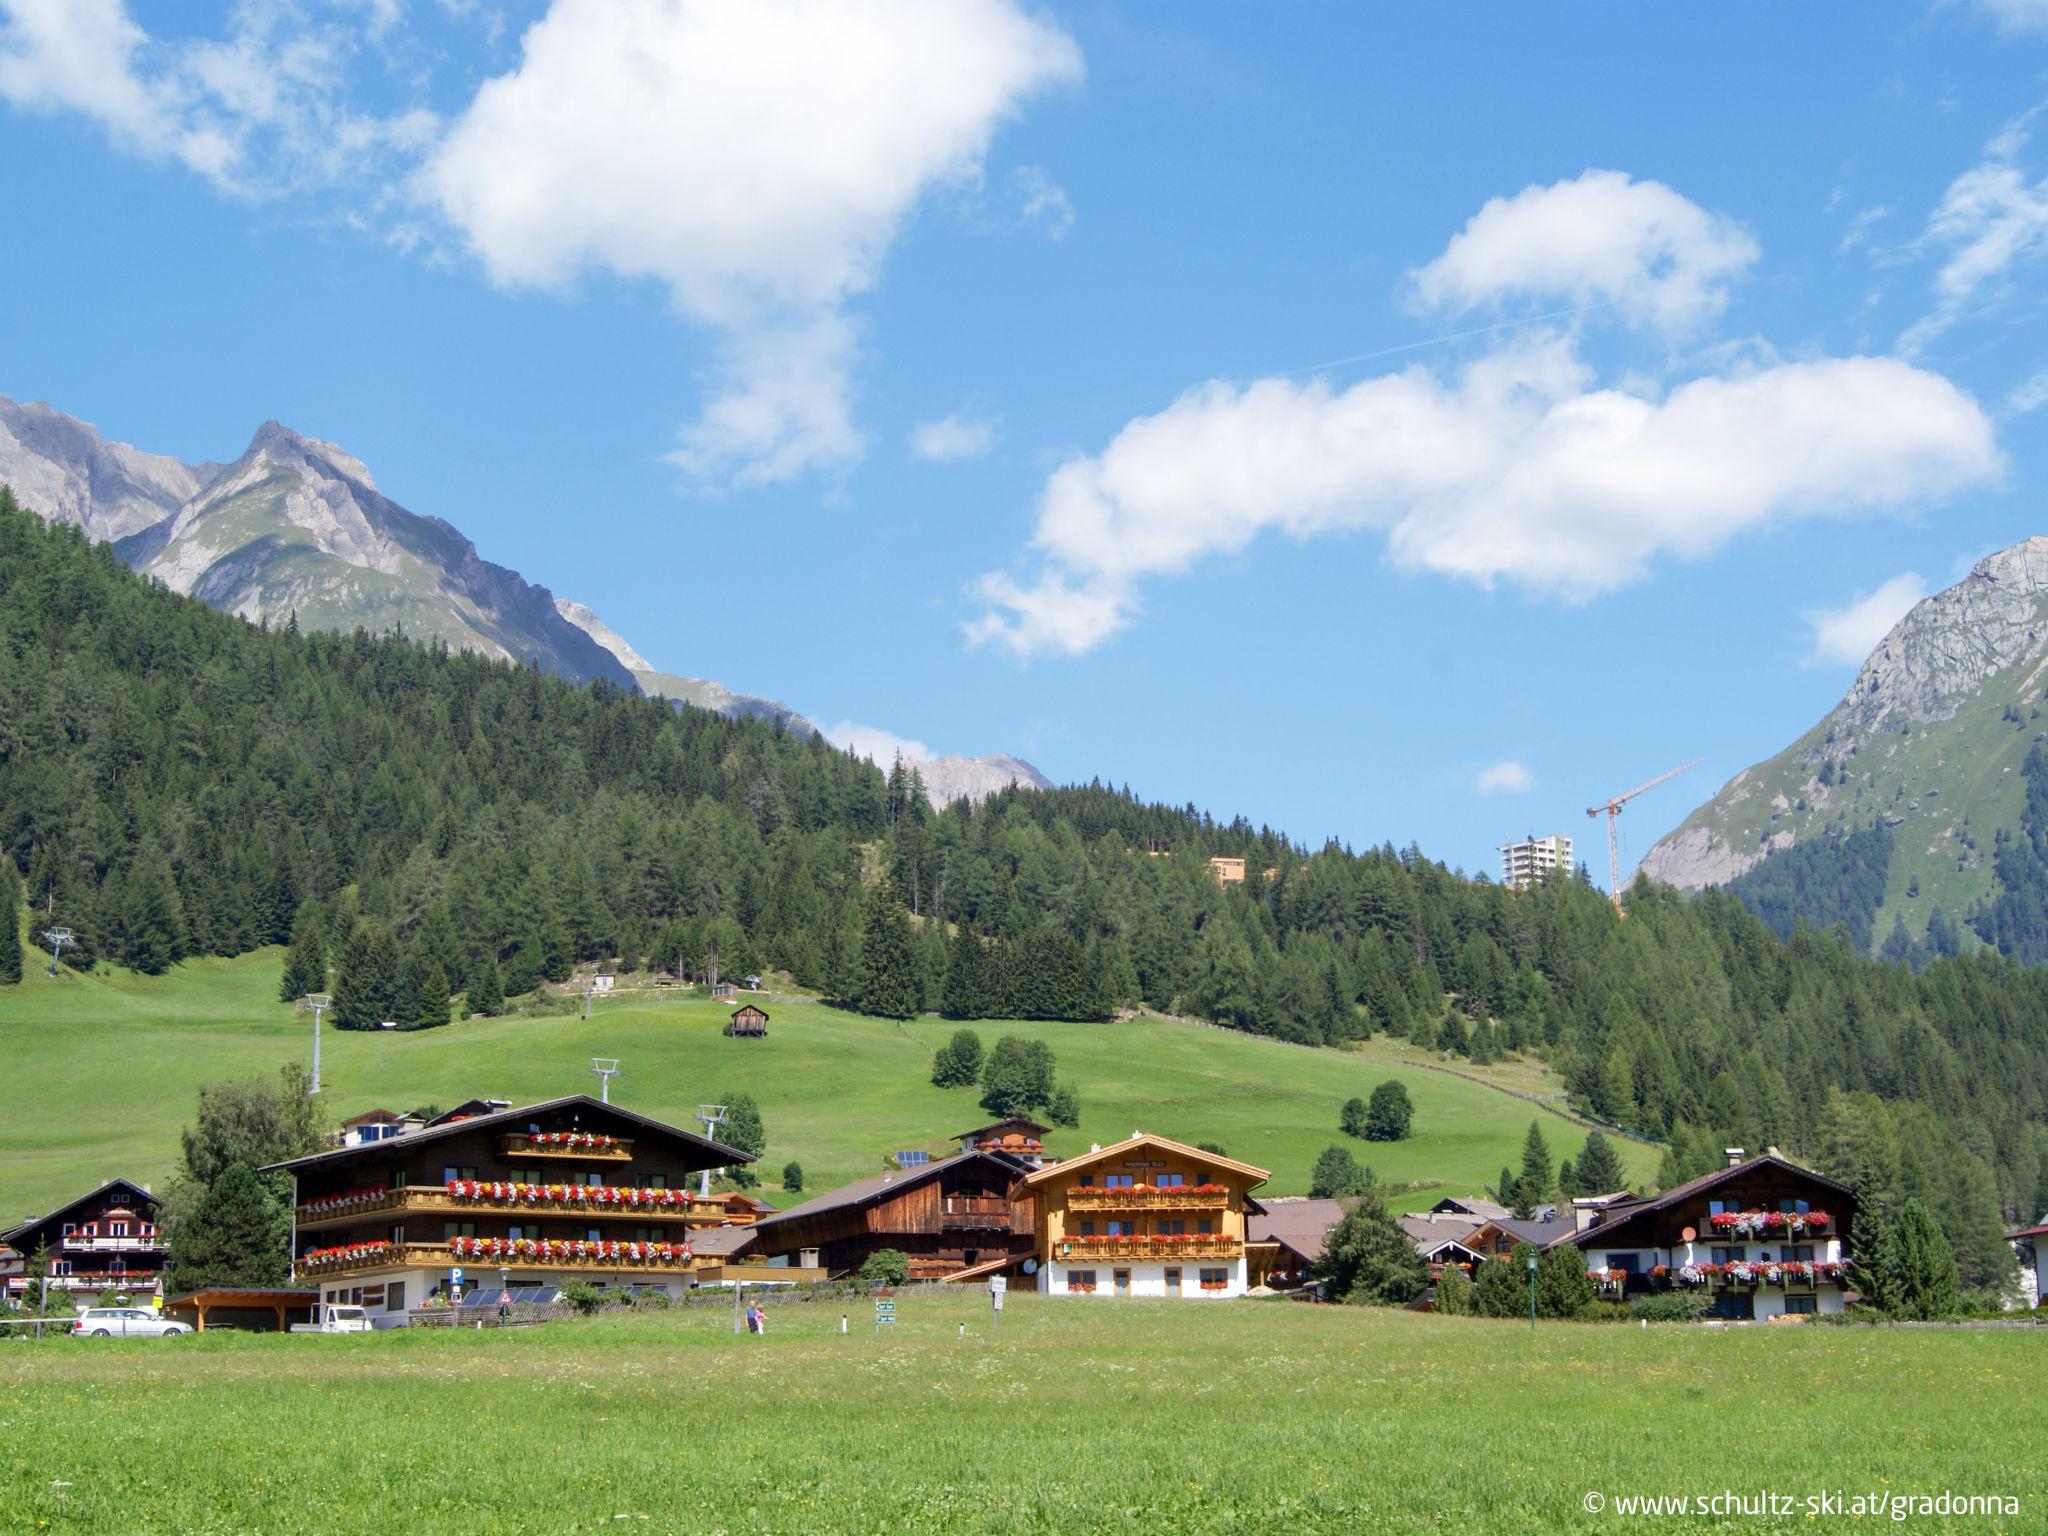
1148 1278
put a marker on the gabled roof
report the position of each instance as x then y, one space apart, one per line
1476 1206
1680 1193
514 1119
1302 1225
1100 1154
1021 1122
142 1196
880 1186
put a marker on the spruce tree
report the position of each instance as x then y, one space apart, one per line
1535 1183
305 963
486 993
150 921
10 922
366 978
1926 1285
966 991
236 1236
891 973
1599 1168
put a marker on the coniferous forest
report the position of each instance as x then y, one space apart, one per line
174 781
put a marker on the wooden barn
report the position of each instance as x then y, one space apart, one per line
748 1023
959 1213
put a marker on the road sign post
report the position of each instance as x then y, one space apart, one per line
885 1312
997 1285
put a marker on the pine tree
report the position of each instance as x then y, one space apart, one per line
236 1236
966 991
891 973
10 922
1563 1288
426 1003
1568 1186
1599 1169
305 963
486 993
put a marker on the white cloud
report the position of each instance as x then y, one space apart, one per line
756 158
1860 227
1504 778
1657 257
2026 397
1517 468
1991 220
876 744
1849 634
953 437
259 112
2017 15
1042 202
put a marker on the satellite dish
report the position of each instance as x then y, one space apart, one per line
1687 1235
1031 1266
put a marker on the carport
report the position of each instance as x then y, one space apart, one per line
256 1310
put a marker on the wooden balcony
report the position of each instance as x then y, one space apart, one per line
75 1244
434 1200
1074 1250
385 1256
1143 1197
965 1213
520 1144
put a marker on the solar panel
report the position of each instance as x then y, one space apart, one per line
483 1297
916 1159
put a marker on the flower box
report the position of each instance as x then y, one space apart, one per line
342 1256
534 1250
577 1197
321 1206
581 1145
1769 1223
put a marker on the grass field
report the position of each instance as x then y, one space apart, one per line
106 1068
1079 1417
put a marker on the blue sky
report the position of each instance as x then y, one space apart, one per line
1383 427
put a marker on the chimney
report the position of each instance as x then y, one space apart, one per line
1734 1156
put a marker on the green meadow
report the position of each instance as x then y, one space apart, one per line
1077 1417
105 1068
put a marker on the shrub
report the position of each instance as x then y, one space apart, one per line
1454 1292
1670 1307
1351 1118
582 1295
1335 1175
793 1177
885 1266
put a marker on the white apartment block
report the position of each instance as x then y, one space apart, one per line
1522 864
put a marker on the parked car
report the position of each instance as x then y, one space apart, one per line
130 1322
336 1318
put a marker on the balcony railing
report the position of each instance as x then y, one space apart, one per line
368 1256
969 1213
1147 1197
574 1146
112 1244
1159 1246
434 1199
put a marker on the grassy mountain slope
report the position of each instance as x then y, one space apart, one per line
118 1058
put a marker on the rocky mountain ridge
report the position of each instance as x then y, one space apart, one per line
297 525
1927 744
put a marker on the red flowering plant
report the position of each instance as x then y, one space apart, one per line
572 1141
343 1253
583 1196
542 1250
1768 1223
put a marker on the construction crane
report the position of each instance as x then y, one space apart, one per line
1612 809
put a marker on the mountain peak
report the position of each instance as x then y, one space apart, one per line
280 444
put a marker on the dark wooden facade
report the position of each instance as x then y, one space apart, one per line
748 1022
945 1217
105 1240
